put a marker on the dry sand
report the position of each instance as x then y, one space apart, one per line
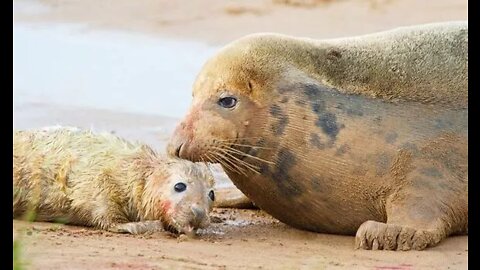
239 239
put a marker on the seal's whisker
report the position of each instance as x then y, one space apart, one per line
230 161
239 138
236 151
229 157
253 146
235 140
208 158
227 163
239 160
214 159
244 163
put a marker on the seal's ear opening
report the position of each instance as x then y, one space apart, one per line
250 86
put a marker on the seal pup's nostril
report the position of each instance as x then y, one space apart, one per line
198 212
199 215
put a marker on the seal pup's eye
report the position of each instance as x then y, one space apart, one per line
179 187
227 102
211 195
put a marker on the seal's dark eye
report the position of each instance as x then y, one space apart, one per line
227 102
211 195
179 187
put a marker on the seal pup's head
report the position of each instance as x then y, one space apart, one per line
180 194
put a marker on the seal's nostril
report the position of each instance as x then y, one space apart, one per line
177 151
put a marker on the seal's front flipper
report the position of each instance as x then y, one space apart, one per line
416 216
137 227
377 236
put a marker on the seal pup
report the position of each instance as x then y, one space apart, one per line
364 136
103 181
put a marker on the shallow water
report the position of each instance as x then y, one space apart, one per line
70 64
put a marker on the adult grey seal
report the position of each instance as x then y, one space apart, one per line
363 135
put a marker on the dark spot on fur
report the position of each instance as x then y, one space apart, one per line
300 102
377 120
383 164
391 137
411 147
328 123
275 110
253 151
285 161
355 111
264 169
342 150
352 108
287 185
278 127
326 120
312 91
261 142
284 100
432 172
316 141
318 107
284 89
319 185
442 123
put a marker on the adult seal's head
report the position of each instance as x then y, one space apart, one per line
232 97
332 135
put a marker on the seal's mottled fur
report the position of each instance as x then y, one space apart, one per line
101 180
363 135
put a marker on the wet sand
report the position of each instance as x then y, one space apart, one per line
237 239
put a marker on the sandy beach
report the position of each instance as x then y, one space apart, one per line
127 67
